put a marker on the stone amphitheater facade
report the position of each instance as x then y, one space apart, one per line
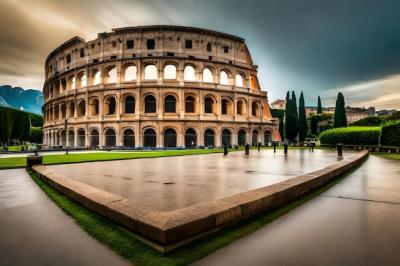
155 86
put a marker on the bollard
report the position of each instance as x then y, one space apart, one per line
247 149
259 146
274 144
339 150
285 147
32 160
225 150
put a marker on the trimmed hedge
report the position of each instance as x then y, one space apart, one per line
351 136
369 121
391 134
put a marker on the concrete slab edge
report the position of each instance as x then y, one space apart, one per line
166 231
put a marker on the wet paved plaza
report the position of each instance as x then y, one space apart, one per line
171 183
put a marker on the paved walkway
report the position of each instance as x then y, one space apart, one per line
356 222
34 231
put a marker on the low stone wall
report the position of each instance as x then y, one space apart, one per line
168 230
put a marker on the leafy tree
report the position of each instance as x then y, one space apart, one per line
302 119
319 108
340 119
280 114
6 125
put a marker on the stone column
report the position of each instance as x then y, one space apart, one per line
75 138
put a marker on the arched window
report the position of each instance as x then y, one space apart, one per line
110 106
150 72
72 84
170 138
81 108
81 138
110 137
97 78
94 107
190 138
129 138
94 138
83 80
224 106
254 109
130 105
188 74
226 137
209 47
189 104
209 138
170 104
111 75
71 137
239 81
170 72
149 138
71 109
63 111
208 105
241 137
240 107
223 78
267 137
254 138
149 104
130 73
208 76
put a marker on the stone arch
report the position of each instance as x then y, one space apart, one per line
71 107
254 137
94 138
94 106
170 103
190 138
224 77
110 74
190 103
268 136
110 137
71 138
241 107
96 76
226 105
129 138
81 108
239 80
129 72
210 104
209 137
110 105
170 71
208 76
150 104
80 140
82 78
226 137
242 137
150 72
170 137
255 109
189 73
149 137
129 104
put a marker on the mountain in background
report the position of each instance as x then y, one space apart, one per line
18 98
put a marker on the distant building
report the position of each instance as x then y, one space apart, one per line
386 112
313 110
278 104
356 113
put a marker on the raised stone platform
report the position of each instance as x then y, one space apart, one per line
166 230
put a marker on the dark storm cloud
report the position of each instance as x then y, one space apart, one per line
309 45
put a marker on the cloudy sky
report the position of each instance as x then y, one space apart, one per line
315 46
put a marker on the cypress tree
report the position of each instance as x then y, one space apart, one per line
292 119
287 114
340 119
319 108
302 119
6 125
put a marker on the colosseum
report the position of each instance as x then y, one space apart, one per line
155 86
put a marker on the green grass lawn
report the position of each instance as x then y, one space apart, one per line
126 245
19 147
392 156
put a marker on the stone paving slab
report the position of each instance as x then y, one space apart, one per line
167 229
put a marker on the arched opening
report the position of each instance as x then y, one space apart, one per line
189 74
110 137
129 104
207 76
223 78
56 112
130 73
189 104
170 138
83 80
254 138
94 107
170 72
267 137
149 104
170 104
241 137
241 107
94 138
110 106
81 109
149 138
63 138
209 138
71 109
254 109
226 107
226 138
129 138
64 111
81 138
71 83
239 81
150 72
208 105
190 138
111 75
71 137
96 77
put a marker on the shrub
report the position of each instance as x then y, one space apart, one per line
351 136
369 121
394 116
391 134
